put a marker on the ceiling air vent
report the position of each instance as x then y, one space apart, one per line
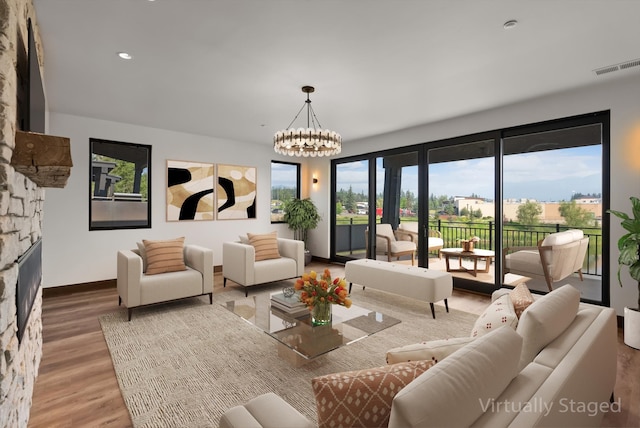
616 67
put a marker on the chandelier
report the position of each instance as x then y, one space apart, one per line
312 141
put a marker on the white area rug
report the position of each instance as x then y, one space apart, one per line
183 364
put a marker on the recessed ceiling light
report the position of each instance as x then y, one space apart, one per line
125 55
510 24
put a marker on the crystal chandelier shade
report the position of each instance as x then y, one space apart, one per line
307 142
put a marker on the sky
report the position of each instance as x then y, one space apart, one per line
545 176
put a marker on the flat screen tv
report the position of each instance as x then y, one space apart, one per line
34 113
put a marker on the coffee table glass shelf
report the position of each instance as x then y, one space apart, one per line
297 340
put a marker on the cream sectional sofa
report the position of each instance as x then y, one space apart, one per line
555 367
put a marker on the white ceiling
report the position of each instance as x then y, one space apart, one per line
234 68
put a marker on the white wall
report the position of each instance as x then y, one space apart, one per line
621 97
72 254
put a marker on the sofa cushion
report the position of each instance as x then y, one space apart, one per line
435 350
453 392
545 319
266 245
164 255
362 397
521 298
500 312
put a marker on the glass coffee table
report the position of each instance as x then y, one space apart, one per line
298 342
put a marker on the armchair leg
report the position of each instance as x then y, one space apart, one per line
224 282
211 298
446 305
130 312
119 301
246 291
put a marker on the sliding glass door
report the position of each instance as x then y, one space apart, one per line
493 190
462 195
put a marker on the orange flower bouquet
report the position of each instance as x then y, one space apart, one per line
320 293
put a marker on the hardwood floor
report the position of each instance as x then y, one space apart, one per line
77 386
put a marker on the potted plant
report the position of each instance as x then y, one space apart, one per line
301 215
629 246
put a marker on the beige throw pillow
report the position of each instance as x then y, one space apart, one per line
362 398
452 393
521 298
266 245
499 313
546 319
164 256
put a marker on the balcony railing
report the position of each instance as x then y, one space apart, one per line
350 237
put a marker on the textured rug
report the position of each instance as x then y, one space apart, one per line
185 363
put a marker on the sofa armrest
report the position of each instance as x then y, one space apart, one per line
201 259
293 249
238 262
129 275
432 350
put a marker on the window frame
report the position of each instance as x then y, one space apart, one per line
297 188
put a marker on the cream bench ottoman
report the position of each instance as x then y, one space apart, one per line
416 282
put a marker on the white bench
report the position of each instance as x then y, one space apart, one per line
409 281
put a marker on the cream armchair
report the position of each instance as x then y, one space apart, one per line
136 288
240 266
434 240
391 243
556 257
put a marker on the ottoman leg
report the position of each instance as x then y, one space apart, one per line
446 305
433 310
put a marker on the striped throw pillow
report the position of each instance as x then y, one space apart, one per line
164 256
266 245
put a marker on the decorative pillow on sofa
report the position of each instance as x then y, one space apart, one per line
499 313
164 256
454 391
434 350
143 255
266 245
546 319
362 397
521 298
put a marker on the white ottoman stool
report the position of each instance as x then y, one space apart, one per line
410 281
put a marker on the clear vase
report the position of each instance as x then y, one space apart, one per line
321 314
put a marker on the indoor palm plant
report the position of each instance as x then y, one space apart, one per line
629 246
301 215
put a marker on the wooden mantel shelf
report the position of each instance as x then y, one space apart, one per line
45 159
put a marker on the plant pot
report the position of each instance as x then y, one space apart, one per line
307 257
632 327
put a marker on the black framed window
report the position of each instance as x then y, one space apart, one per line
119 185
285 185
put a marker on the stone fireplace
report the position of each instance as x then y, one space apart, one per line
21 213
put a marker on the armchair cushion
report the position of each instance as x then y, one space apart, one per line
362 397
266 245
164 256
